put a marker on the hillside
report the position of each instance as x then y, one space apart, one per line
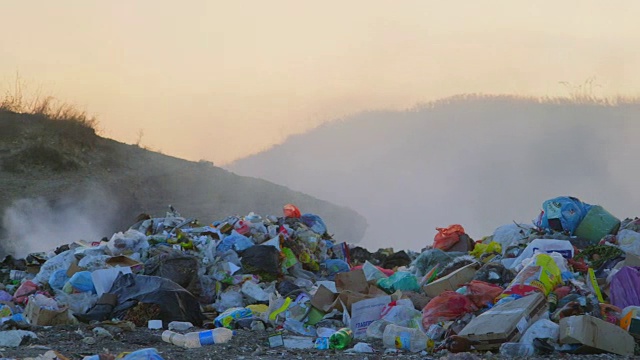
482 161
60 182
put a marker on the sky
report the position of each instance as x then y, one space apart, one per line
220 80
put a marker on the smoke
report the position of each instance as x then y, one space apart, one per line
37 224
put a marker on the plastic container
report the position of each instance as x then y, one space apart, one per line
198 339
597 224
398 337
517 350
341 339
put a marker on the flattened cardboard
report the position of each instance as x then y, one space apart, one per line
43 317
595 335
124 261
505 323
452 281
365 312
74 268
352 281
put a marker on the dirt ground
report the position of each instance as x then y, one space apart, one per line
246 345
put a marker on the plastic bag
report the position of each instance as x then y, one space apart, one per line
82 282
510 234
481 293
447 306
401 280
546 246
261 259
22 294
372 272
126 243
254 292
563 213
402 313
229 299
447 237
541 274
625 287
291 211
315 223
494 273
481 249
78 303
61 261
335 266
426 261
58 279
541 329
629 241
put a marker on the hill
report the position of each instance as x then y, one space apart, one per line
481 161
60 182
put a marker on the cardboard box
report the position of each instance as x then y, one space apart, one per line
44 317
452 281
125 261
506 322
595 335
323 299
354 281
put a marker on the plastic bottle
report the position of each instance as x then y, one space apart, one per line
198 339
376 329
517 350
341 339
398 337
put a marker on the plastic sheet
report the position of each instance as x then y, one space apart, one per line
176 303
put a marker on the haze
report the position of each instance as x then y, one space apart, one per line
221 80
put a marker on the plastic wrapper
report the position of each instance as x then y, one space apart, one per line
447 306
541 329
541 274
227 318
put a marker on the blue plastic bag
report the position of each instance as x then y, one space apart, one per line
562 213
82 282
315 223
144 354
335 266
58 279
236 241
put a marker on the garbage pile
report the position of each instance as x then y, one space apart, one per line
567 283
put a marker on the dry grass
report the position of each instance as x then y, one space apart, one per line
48 107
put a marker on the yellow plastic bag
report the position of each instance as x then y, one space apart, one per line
542 274
481 249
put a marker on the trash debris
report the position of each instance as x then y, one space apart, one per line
566 284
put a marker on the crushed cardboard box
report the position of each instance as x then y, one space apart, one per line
44 317
452 281
595 336
505 323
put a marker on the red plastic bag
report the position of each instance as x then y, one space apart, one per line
482 293
22 294
291 211
447 306
447 237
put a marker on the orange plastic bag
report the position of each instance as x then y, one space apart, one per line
482 293
447 237
291 211
447 306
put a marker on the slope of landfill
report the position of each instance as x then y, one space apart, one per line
273 287
58 174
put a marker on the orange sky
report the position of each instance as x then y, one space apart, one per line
218 80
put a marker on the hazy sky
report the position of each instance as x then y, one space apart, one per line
219 80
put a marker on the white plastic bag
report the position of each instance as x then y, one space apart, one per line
61 261
541 329
254 292
546 246
510 234
129 242
629 241
371 272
